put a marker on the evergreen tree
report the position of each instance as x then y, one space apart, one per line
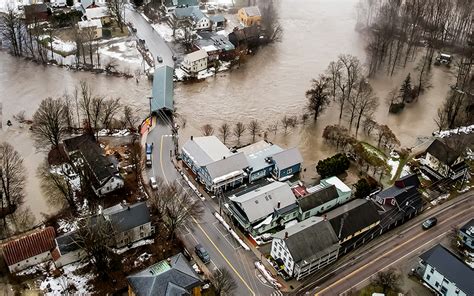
406 90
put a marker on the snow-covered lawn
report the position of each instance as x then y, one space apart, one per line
124 51
57 285
59 45
164 30
115 133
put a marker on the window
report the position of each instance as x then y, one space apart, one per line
444 290
306 215
432 270
26 261
289 171
428 277
436 284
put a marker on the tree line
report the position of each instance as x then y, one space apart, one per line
397 30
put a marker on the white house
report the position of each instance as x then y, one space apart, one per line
130 223
95 25
87 157
195 62
192 15
29 250
259 209
305 247
443 162
446 273
67 250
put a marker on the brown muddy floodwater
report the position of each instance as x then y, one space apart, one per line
269 85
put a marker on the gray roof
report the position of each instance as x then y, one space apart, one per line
165 278
256 154
189 12
218 18
252 11
318 198
287 158
231 164
262 201
205 150
170 3
100 167
451 267
162 91
209 40
310 239
353 217
68 242
129 217
442 152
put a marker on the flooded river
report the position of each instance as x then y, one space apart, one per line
269 85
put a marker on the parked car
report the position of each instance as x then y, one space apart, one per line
429 223
148 160
153 183
159 59
149 148
174 58
202 254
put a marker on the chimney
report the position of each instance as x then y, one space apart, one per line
286 234
278 206
192 138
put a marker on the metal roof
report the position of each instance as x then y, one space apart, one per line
129 217
258 152
451 267
167 277
29 246
204 150
309 239
252 11
262 201
318 198
233 164
162 91
287 158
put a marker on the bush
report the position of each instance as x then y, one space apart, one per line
333 166
362 189
396 107
69 2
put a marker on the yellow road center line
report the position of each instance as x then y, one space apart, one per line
383 255
226 260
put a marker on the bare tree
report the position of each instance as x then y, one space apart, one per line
223 282
136 158
49 123
270 24
254 128
130 117
117 10
56 186
207 130
318 97
178 208
441 119
9 21
366 104
239 130
388 280
350 74
224 131
86 105
68 111
97 111
12 178
110 109
95 236
285 122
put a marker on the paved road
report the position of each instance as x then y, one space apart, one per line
404 244
224 251
153 40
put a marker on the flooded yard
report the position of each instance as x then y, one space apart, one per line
267 86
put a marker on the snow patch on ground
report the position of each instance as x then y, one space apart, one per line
460 130
142 258
60 45
65 226
164 31
140 243
124 51
58 285
116 133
